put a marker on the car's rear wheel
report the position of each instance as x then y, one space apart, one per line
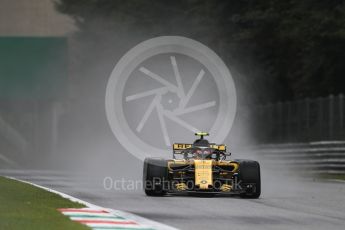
249 175
155 176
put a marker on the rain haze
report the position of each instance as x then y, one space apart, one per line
79 112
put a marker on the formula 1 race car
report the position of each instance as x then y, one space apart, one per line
201 167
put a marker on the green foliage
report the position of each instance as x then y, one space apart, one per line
279 50
302 42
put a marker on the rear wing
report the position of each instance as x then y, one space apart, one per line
220 147
179 147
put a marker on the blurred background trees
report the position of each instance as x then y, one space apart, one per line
277 50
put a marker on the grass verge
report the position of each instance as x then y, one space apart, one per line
23 206
332 176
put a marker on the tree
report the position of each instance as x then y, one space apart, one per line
280 50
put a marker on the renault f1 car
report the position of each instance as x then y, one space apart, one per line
201 167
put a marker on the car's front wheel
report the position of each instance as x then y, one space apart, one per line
249 175
155 176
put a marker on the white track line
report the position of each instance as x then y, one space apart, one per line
127 215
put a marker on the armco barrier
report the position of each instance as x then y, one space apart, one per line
316 157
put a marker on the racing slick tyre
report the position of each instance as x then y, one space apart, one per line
155 176
249 175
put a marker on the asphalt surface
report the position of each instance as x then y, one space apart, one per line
286 202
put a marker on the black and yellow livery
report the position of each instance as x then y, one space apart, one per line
201 167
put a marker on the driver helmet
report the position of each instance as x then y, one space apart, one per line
201 143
